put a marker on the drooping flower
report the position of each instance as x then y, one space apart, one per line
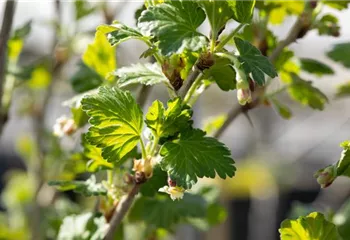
325 177
174 192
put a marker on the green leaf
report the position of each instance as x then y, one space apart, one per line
23 31
282 110
242 10
85 79
84 226
87 188
343 90
312 227
315 67
158 180
162 212
100 56
15 43
343 165
340 53
79 116
303 92
174 24
328 25
82 9
222 73
168 122
218 13
339 5
148 74
194 156
96 162
118 33
213 124
342 220
116 122
254 62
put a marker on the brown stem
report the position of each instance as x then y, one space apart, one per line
4 37
122 208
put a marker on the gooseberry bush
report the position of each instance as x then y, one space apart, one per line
144 162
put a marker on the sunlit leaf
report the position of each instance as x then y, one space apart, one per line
100 56
242 10
181 158
116 122
313 227
174 24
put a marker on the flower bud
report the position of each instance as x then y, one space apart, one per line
143 166
64 126
326 176
205 61
244 96
171 182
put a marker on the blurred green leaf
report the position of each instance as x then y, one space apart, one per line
116 121
303 92
313 226
339 5
85 79
87 188
343 90
100 56
40 78
254 62
84 226
158 180
162 212
242 10
282 109
168 122
342 220
174 24
340 53
82 9
213 124
79 116
328 25
148 74
222 73
315 67
180 158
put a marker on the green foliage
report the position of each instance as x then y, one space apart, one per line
148 74
85 79
174 24
254 62
222 73
116 122
118 33
84 226
303 92
162 212
343 90
15 43
189 157
315 67
218 13
82 9
242 10
339 5
94 154
340 53
342 220
313 227
282 109
158 180
100 56
168 122
87 188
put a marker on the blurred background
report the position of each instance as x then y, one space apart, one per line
281 155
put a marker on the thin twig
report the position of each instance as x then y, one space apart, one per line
292 36
4 37
189 82
122 208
